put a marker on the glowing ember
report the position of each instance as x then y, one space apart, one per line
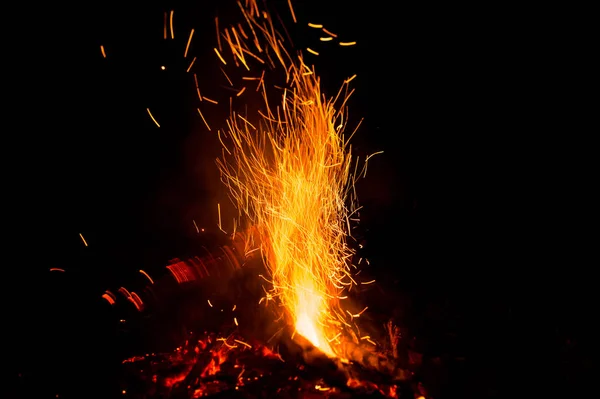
291 176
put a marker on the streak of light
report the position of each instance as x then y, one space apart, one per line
220 57
210 100
108 298
165 27
171 24
316 26
239 93
326 39
57 269
151 116
367 161
235 321
218 34
147 275
219 212
234 306
195 225
208 127
226 77
367 282
347 43
329 33
83 239
191 64
350 79
292 11
187 46
311 51
209 304
102 50
243 343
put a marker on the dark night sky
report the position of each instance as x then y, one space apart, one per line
432 86
103 168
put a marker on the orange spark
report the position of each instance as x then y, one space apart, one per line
171 24
210 100
219 55
188 43
329 33
102 50
208 127
316 26
147 275
347 43
292 10
83 239
151 116
165 27
56 269
311 51
191 64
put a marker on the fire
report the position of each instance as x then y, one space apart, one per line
291 176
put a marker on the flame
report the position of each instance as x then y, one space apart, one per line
291 176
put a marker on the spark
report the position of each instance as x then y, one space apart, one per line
56 269
218 34
347 43
210 100
147 275
239 93
311 51
191 64
187 46
171 24
209 304
102 50
234 306
83 239
235 321
243 343
195 225
226 77
326 39
165 27
208 127
219 212
292 11
316 26
151 116
350 79
368 282
329 33
220 57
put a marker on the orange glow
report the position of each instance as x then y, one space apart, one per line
57 269
83 240
147 275
289 172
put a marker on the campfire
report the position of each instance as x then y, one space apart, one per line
288 166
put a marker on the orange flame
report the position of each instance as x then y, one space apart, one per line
291 176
